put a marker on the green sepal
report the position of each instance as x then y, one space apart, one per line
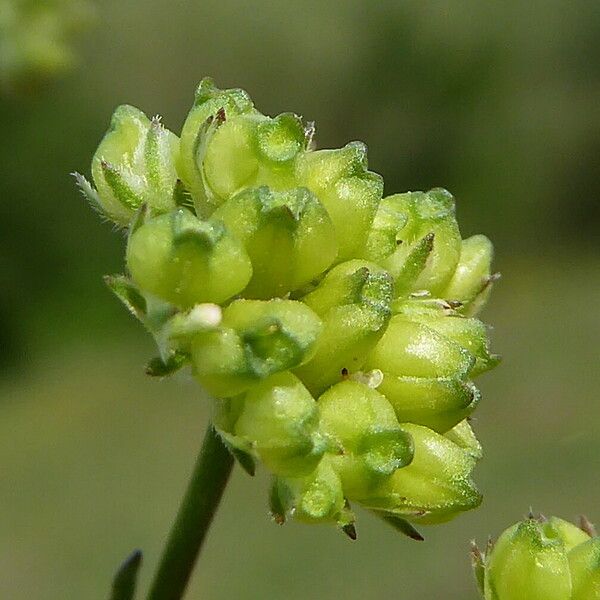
349 530
127 292
125 580
464 436
478 567
244 459
346 521
139 218
401 525
224 416
120 187
414 265
88 192
277 507
159 367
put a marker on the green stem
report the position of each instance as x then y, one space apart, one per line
196 512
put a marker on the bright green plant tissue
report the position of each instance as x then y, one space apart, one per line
335 330
541 559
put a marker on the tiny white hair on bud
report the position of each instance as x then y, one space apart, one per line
372 379
206 315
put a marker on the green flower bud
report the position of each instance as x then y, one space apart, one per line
288 235
530 560
186 261
541 558
256 339
349 192
435 487
584 563
424 374
134 165
317 498
361 423
416 238
276 420
471 283
228 146
210 107
354 302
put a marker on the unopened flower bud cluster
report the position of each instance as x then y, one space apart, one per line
335 329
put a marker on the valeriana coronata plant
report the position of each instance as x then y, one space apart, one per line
35 39
540 559
335 331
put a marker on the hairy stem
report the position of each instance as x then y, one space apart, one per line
196 512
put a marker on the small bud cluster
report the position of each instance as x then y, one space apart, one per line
34 38
334 329
541 559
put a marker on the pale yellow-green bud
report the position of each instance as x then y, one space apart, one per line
424 374
416 238
276 421
186 261
540 559
371 445
288 235
256 339
134 165
354 303
435 487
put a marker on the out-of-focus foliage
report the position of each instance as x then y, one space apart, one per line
35 39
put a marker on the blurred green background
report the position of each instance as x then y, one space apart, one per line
497 101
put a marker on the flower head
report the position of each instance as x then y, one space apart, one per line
335 330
